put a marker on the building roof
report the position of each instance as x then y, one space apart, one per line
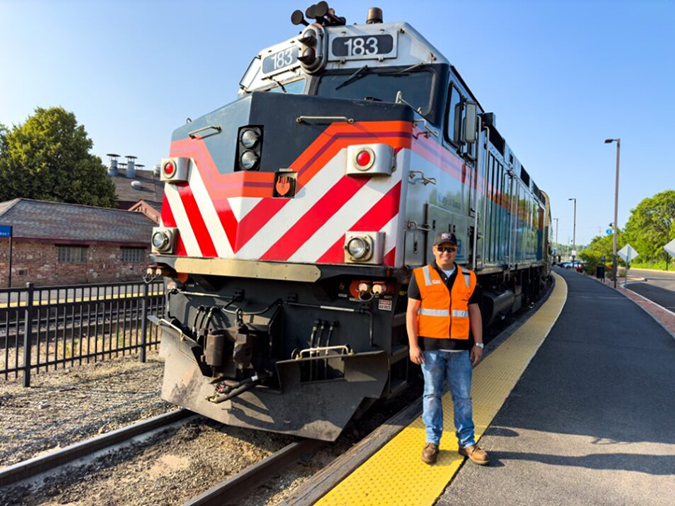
152 210
150 190
55 221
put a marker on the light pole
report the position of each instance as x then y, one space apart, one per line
556 237
616 203
574 230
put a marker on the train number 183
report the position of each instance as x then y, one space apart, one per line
359 46
363 46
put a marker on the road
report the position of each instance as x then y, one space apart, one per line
662 279
657 286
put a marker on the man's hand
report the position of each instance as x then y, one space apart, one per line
416 355
476 355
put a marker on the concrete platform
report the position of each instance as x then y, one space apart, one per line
591 421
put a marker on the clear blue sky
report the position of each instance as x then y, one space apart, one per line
561 75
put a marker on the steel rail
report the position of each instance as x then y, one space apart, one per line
236 487
32 467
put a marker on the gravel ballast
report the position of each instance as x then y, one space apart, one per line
70 405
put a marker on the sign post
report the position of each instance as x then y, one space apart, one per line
670 249
6 231
628 254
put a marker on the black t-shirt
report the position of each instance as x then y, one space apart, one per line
431 343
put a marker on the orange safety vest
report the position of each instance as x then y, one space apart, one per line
434 316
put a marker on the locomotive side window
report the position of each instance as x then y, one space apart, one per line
416 87
453 124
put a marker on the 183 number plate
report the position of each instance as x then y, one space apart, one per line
280 60
363 46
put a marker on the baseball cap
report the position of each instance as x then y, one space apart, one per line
445 237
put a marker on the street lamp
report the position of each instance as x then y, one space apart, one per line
574 230
616 203
556 236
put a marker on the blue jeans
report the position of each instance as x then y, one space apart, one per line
439 368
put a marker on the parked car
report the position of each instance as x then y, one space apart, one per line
577 265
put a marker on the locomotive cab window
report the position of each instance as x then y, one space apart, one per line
453 116
380 86
293 87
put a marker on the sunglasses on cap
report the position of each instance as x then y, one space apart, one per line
446 249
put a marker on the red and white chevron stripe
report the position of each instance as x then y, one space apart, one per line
215 220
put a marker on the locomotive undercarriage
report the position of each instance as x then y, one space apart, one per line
286 356
507 292
300 357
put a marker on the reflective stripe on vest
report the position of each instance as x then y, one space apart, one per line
438 304
435 312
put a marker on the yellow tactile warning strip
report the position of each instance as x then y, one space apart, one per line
395 475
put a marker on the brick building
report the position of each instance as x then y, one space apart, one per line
60 244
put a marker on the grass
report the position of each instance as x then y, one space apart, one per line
657 266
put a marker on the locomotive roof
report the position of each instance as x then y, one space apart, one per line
409 48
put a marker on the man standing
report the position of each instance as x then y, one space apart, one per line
442 312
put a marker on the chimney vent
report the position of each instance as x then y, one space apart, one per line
131 166
112 166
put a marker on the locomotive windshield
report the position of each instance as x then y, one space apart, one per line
294 87
379 85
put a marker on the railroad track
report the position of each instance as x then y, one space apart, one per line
32 467
239 485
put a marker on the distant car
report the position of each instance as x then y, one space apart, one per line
577 265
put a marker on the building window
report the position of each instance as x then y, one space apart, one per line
73 254
135 255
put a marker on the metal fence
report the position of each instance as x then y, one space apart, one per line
48 327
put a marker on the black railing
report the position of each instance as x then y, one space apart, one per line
48 327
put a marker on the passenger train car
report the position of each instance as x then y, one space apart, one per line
293 217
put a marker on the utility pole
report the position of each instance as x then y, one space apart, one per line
616 204
574 230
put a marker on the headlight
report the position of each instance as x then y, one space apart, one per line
364 247
248 160
249 138
358 248
163 239
160 240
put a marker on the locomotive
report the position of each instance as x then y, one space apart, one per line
293 217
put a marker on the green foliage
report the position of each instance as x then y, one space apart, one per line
599 246
652 225
48 158
3 136
659 265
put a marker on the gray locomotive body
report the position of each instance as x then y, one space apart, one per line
293 218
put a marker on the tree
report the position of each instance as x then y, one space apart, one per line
602 245
652 225
3 136
48 158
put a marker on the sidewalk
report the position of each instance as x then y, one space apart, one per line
591 420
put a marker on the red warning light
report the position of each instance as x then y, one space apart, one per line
169 169
363 158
